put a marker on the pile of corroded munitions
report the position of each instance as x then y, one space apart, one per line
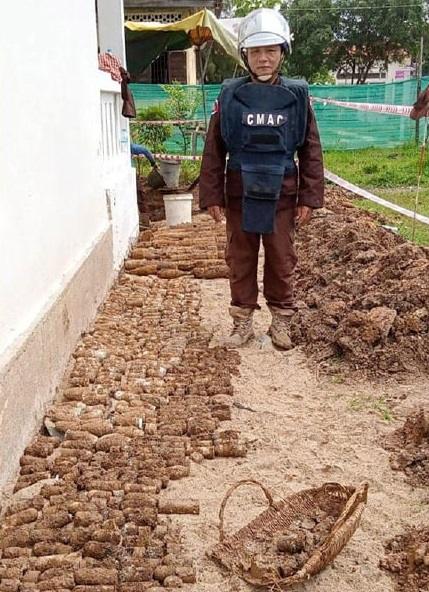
287 553
196 249
144 399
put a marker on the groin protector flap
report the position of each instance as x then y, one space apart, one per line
258 215
261 181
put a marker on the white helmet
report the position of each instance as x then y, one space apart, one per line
263 26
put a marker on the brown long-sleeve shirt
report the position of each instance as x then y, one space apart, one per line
306 188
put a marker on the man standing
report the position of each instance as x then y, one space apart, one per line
260 122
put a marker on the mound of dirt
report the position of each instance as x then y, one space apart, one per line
363 292
407 558
410 448
150 203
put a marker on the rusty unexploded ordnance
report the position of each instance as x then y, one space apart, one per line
142 368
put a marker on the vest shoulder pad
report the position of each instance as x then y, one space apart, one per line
230 85
298 87
234 82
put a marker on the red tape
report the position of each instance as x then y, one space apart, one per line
403 110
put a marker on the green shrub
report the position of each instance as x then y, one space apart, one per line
190 171
182 103
151 136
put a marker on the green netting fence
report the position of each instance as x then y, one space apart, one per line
340 128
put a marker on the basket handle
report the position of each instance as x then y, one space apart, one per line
228 495
332 485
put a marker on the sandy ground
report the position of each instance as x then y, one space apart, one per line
303 430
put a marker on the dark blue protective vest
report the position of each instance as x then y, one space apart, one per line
262 126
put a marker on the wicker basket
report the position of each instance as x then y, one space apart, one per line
236 551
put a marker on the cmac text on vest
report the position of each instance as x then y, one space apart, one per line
272 119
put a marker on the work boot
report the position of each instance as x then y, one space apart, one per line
280 326
242 329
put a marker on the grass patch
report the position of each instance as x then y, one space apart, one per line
189 171
406 196
367 403
390 173
378 167
402 223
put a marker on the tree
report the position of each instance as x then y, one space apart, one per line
425 64
349 36
243 7
374 32
152 136
313 34
182 104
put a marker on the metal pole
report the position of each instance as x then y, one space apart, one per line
209 53
202 72
420 173
419 85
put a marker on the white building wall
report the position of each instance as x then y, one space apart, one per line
110 13
118 178
52 207
55 184
398 71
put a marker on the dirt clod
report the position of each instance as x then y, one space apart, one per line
409 446
407 559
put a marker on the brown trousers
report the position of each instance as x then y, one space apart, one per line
280 261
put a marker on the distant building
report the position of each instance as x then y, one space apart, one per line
395 72
170 65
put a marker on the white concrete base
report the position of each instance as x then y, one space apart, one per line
29 379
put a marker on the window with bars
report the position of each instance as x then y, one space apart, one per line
163 17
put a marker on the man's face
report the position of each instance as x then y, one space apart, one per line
264 61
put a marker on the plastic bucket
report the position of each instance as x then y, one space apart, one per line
178 208
170 171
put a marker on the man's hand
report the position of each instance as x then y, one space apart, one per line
303 215
216 212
